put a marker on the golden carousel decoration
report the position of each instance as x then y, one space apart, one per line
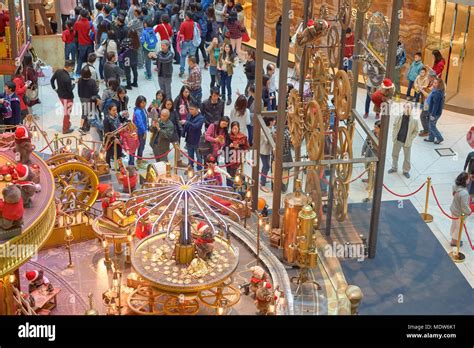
188 260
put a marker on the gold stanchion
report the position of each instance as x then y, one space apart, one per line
425 216
115 157
456 255
176 158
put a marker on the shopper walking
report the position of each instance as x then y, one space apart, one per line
435 108
192 134
213 108
226 64
140 120
194 80
64 89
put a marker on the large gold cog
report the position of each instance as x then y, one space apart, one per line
295 118
314 131
342 95
344 152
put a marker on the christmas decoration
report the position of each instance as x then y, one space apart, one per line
37 279
23 145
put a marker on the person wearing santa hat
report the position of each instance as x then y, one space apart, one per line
144 225
203 240
382 96
107 194
37 279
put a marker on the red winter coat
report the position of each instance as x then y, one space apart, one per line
20 91
83 27
349 47
68 36
439 67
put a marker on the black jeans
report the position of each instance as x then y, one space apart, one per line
265 169
202 48
425 120
64 19
128 75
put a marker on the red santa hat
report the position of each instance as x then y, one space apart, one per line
387 84
310 23
32 275
21 133
22 171
202 227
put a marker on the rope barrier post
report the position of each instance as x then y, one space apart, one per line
370 181
177 157
115 157
456 255
425 216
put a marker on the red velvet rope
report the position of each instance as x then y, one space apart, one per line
440 207
407 195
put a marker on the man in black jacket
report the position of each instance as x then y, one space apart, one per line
164 63
213 108
65 92
9 100
111 69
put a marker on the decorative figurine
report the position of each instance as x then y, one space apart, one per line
264 298
11 208
23 145
214 172
382 96
25 179
203 241
259 276
280 301
144 225
129 182
37 280
107 194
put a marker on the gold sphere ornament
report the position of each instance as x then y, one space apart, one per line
8 177
8 164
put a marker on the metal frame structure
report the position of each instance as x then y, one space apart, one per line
380 144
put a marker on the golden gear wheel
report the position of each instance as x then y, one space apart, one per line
333 41
313 188
295 118
344 152
320 81
363 5
345 14
75 182
342 95
340 199
61 158
314 131
223 296
146 300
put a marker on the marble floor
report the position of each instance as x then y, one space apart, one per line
425 160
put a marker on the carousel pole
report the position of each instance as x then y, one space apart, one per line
281 116
258 101
385 118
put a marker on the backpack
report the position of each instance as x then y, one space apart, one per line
196 36
150 40
91 31
205 147
6 109
203 25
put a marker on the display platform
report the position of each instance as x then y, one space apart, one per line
411 273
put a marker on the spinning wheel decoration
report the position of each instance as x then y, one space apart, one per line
222 296
314 131
377 38
320 81
147 300
363 5
344 152
65 157
342 95
345 14
181 306
295 118
340 199
75 182
333 41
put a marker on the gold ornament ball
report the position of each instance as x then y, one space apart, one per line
8 177
1 177
8 164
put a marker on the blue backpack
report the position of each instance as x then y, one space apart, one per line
91 31
149 40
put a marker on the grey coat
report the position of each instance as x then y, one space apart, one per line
460 202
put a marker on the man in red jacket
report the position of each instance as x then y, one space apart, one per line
186 31
83 27
348 49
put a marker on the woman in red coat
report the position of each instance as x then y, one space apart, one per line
439 63
20 91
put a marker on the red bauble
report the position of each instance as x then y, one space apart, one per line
4 170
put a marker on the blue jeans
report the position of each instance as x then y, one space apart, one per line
368 99
70 50
226 81
197 96
187 49
250 134
193 150
147 63
101 67
265 168
410 86
347 65
141 147
82 54
434 133
131 159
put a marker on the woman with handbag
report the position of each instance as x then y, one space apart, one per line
217 135
30 76
101 39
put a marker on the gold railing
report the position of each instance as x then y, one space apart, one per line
18 250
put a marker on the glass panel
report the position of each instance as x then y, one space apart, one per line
458 37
